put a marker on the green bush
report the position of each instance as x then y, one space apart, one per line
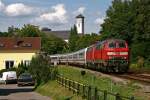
147 63
40 69
21 68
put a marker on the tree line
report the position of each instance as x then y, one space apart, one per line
130 20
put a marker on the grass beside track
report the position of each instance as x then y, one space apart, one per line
100 82
57 92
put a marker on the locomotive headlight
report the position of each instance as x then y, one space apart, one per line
110 53
123 53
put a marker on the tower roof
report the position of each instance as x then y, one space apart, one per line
80 16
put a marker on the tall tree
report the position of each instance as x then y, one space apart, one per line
29 31
13 31
129 20
73 38
118 23
52 44
142 29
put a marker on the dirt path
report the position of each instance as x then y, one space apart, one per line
13 92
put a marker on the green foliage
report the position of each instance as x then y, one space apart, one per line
119 21
77 42
4 34
101 82
56 92
21 68
50 44
87 40
40 69
29 31
53 45
73 38
129 20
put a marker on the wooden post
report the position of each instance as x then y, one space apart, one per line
78 88
73 87
118 96
89 93
69 84
132 98
65 81
83 92
57 79
62 81
105 95
95 96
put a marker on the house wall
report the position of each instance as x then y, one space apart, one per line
17 57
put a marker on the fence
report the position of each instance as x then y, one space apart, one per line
88 92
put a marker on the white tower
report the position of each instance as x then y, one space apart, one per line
80 24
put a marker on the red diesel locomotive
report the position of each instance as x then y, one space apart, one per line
111 55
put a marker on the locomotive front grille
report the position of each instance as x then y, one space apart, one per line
115 61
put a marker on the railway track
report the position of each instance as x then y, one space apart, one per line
139 77
144 78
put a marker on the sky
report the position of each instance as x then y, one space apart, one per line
54 14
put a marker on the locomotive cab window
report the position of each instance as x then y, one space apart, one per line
121 45
112 45
89 49
98 46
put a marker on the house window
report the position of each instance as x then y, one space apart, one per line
27 45
9 64
1 45
19 43
26 62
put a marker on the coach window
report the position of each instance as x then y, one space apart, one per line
9 64
81 55
75 56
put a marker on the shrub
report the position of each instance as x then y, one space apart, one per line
40 69
140 62
21 68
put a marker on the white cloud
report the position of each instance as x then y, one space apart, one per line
99 21
80 10
18 9
2 6
57 15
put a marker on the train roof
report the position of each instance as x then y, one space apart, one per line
66 54
114 40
